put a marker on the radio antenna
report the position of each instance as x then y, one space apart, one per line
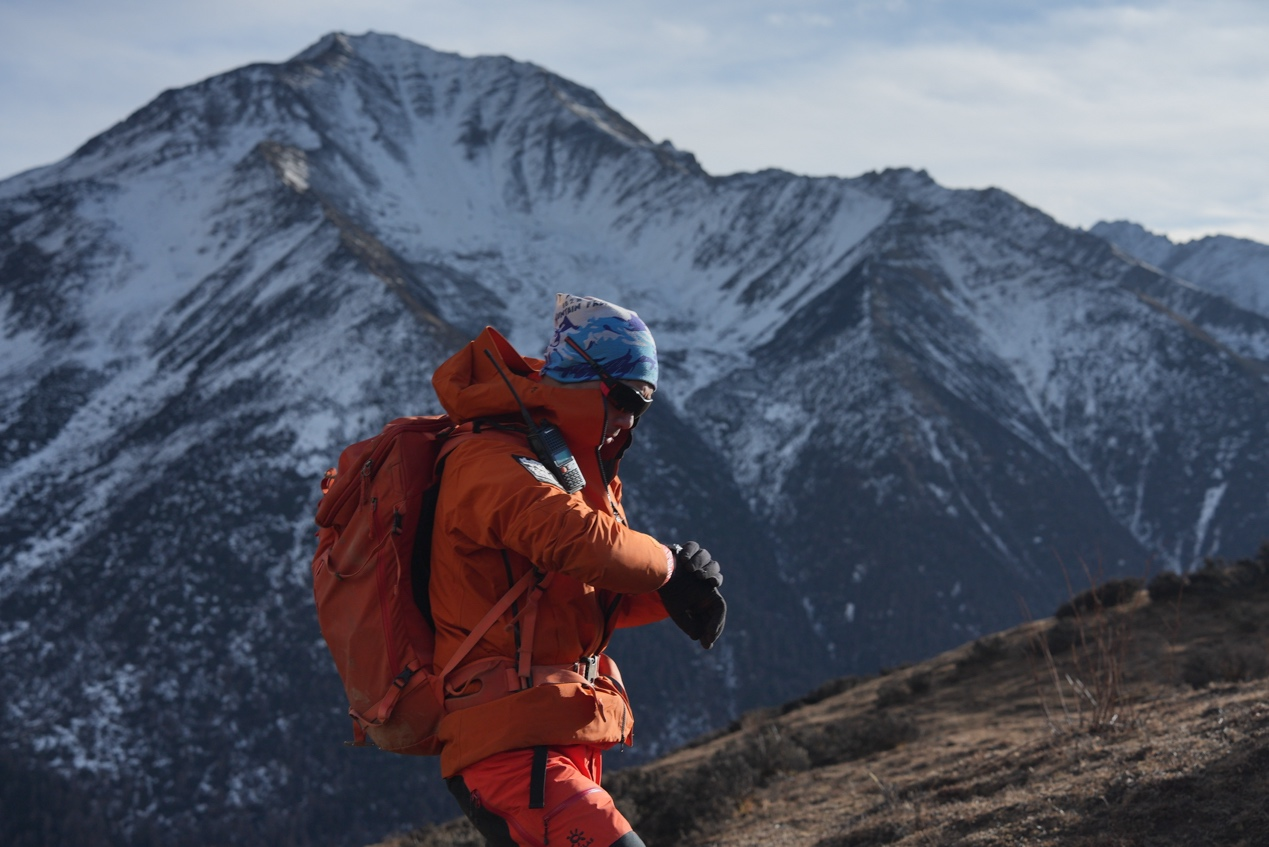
528 419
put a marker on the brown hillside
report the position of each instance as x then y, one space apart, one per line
1134 717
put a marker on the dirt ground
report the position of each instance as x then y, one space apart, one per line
1136 717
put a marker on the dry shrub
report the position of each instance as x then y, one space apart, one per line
774 752
899 690
1058 639
1167 587
1092 642
984 651
846 741
829 689
1217 578
1112 593
1222 578
1224 663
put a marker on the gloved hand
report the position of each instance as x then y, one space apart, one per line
692 597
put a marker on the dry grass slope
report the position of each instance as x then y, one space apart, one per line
1138 716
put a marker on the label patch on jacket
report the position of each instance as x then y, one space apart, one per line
538 471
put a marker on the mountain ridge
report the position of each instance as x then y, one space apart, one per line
1233 268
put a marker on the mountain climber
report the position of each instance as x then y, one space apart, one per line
536 701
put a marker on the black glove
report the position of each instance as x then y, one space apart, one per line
692 597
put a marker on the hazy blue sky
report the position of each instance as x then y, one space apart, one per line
1153 110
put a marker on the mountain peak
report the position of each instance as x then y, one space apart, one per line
1135 240
332 45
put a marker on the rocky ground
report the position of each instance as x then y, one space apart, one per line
1138 715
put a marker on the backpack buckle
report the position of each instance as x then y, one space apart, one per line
588 667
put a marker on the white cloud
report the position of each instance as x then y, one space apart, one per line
1154 114
813 19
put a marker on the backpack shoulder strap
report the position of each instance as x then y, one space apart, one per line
532 578
471 429
496 611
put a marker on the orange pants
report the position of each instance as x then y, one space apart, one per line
498 795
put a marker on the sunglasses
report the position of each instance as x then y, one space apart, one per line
622 396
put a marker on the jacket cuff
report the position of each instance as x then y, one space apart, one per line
670 559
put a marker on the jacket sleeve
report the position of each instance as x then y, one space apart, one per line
500 503
640 609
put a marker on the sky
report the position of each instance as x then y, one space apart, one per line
1154 111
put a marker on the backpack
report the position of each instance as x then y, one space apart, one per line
370 576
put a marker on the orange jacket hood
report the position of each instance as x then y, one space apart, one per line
469 387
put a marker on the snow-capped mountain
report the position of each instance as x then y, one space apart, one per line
1235 268
891 410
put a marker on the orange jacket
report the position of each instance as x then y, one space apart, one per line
495 521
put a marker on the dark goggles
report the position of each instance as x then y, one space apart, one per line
623 397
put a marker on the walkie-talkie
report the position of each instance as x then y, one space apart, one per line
547 442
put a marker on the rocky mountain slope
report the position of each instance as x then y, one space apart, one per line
1135 717
897 413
